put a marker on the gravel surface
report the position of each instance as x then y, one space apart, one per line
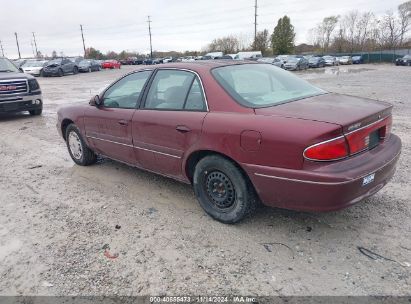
110 229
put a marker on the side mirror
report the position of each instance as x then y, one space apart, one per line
96 101
21 70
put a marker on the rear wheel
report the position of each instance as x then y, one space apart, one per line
223 190
79 152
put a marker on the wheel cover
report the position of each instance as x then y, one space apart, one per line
75 145
219 189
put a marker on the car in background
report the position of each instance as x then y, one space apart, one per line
345 60
19 62
296 63
18 91
60 67
249 133
76 60
274 61
330 60
316 62
34 67
283 58
167 59
406 60
227 57
89 65
357 59
111 64
188 59
251 55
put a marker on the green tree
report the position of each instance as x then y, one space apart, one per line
262 42
93 53
282 39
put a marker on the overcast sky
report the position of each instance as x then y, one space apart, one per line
176 24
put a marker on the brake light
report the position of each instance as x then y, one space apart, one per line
334 149
351 143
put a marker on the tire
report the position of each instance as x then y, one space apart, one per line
60 73
222 190
79 152
36 112
75 70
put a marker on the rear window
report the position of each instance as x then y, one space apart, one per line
262 85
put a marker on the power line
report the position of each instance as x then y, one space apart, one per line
18 47
82 37
35 44
149 32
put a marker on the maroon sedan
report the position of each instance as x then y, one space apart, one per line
240 133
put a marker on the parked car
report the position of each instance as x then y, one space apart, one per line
18 91
252 55
357 59
60 67
167 59
76 60
406 60
316 62
19 62
88 65
345 60
289 145
330 60
111 64
283 58
34 67
295 63
271 60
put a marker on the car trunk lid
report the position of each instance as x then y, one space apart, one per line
364 122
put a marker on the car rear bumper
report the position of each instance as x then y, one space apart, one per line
330 186
21 103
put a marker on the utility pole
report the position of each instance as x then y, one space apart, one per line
35 44
32 48
2 51
82 37
18 47
149 32
255 22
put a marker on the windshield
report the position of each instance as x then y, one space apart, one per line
85 62
7 66
261 85
54 61
34 64
293 59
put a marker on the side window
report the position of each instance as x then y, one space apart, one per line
169 90
195 98
125 92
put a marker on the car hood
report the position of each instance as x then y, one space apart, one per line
14 75
343 110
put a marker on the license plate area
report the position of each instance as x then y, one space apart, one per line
368 179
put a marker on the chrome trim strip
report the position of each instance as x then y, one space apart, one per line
132 146
366 126
198 76
320 143
328 183
162 153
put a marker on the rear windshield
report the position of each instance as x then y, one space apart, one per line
263 85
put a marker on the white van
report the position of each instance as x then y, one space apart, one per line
248 55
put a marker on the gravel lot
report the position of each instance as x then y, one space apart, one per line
56 218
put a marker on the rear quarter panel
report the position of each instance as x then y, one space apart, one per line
281 143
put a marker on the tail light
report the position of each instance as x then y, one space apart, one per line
351 143
328 150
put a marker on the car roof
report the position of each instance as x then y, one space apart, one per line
204 65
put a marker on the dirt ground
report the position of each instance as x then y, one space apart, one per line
57 219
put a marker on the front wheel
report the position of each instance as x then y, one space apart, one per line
79 152
36 112
222 190
60 73
75 70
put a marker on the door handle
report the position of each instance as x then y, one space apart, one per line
123 122
183 129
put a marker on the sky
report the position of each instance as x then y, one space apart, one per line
176 24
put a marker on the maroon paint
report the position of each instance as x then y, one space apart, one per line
266 143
